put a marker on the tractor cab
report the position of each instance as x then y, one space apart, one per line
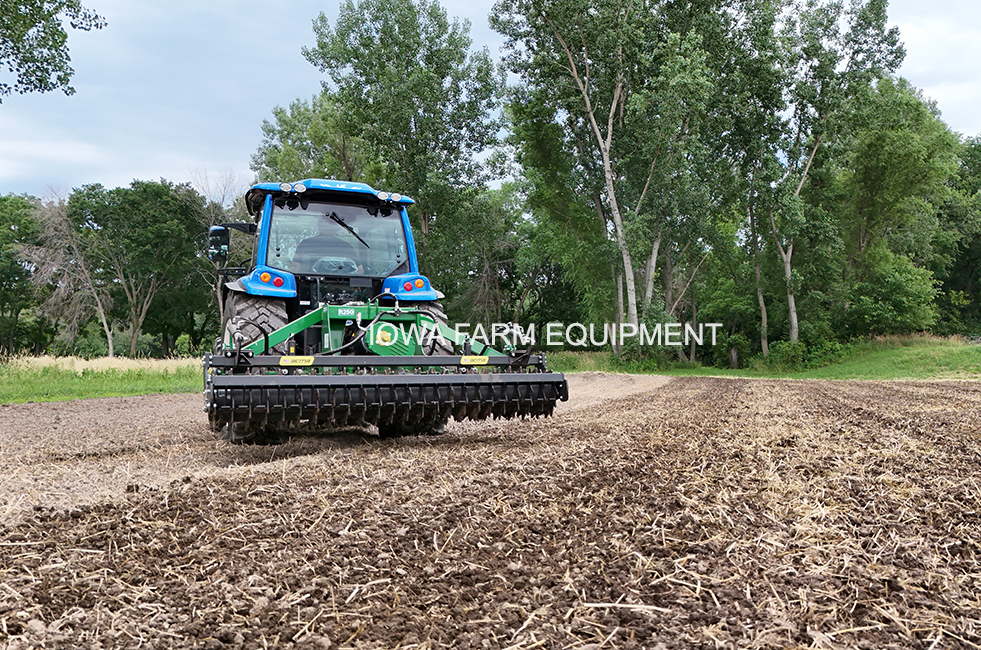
336 240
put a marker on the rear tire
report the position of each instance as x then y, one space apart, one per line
270 313
433 425
440 345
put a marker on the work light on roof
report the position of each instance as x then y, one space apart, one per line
383 196
396 196
299 187
286 187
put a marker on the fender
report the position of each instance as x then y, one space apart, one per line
253 284
235 285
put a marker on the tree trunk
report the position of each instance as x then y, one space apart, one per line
694 322
764 334
605 144
649 275
619 319
786 255
755 235
668 281
108 332
138 308
791 303
788 275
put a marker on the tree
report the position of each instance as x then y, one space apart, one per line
33 43
80 287
893 180
308 141
960 267
824 65
18 228
224 203
567 230
405 83
477 251
120 247
621 88
897 167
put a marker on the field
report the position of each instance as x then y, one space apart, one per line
650 512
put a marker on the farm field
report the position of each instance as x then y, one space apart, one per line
650 512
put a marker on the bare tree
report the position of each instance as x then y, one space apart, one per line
224 193
80 288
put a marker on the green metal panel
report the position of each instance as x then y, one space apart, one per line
394 334
275 338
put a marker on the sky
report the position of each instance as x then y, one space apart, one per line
178 89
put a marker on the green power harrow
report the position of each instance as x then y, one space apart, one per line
399 378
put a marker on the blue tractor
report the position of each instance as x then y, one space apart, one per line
332 325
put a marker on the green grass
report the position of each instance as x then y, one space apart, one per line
918 357
51 384
905 358
915 357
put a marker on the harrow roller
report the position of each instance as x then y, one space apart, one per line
345 399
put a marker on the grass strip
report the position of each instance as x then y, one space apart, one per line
53 384
888 358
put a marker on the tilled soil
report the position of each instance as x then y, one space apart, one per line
648 513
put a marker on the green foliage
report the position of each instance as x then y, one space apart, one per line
896 168
404 82
567 231
110 253
476 252
33 43
18 228
308 140
960 253
675 162
917 357
603 124
785 356
726 343
894 297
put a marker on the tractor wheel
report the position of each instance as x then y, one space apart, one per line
246 433
440 346
429 426
270 313
435 424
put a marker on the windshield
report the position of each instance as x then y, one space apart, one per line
335 239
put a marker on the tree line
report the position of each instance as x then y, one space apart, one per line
757 163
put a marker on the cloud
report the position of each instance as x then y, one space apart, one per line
943 46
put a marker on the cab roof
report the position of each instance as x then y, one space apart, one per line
320 188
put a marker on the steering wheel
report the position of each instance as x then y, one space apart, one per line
334 266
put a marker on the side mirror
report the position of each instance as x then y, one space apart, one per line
218 241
